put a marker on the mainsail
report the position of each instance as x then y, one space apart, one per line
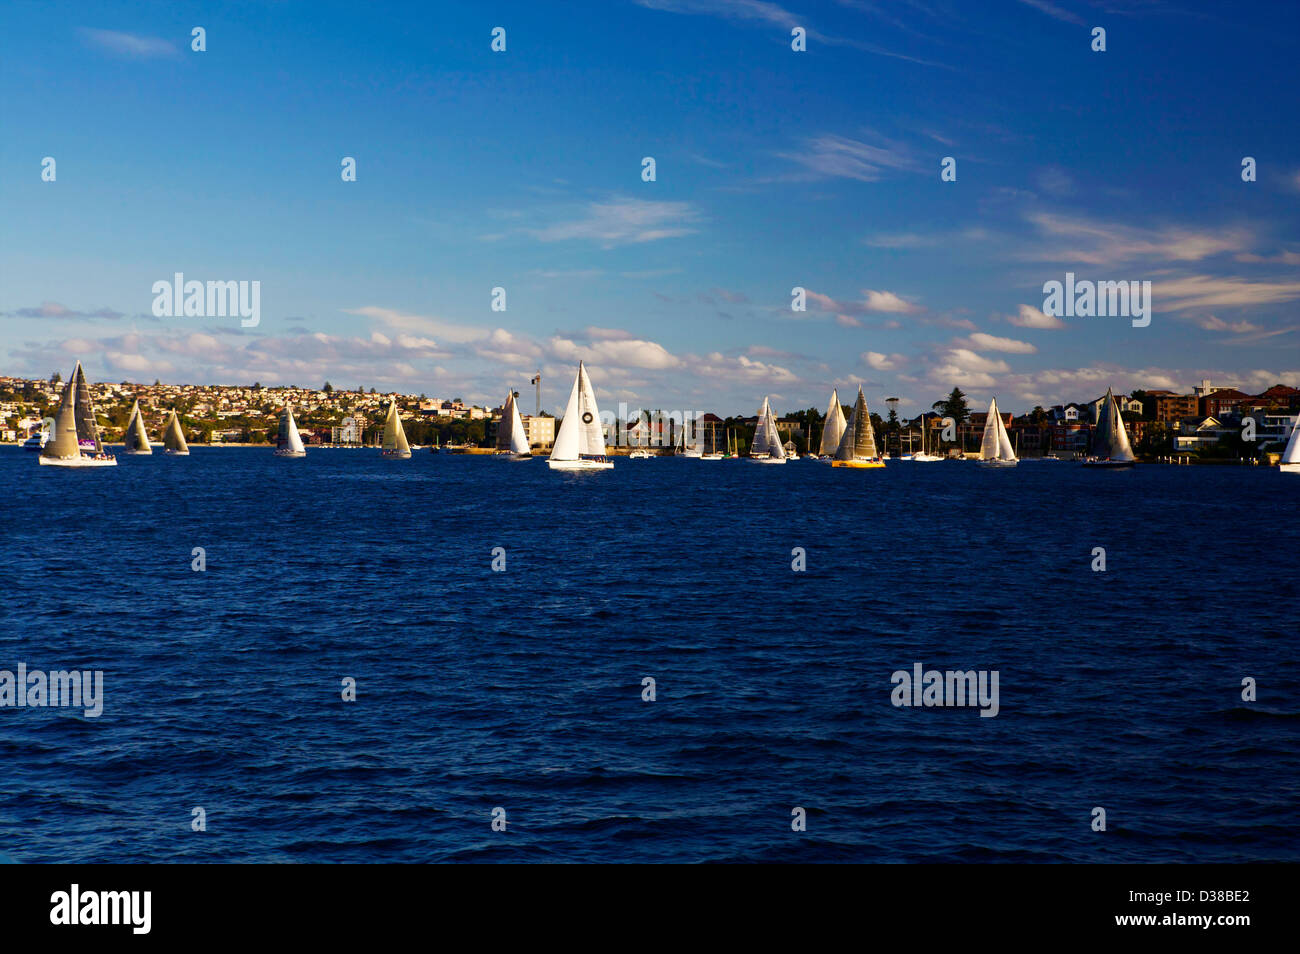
1292 453
580 433
996 444
1111 439
394 435
62 445
859 440
511 436
173 436
834 429
135 437
288 439
767 442
87 428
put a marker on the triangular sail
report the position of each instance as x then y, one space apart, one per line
288 438
764 436
507 423
63 443
136 437
996 444
1111 440
174 437
777 449
834 429
859 440
580 433
1292 453
394 433
87 427
518 436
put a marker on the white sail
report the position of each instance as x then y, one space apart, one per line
135 437
765 436
287 441
1292 453
835 424
1111 439
996 444
777 449
518 436
580 432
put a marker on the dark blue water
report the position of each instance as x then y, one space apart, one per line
522 689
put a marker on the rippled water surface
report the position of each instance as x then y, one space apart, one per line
522 689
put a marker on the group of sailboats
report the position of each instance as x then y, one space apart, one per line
75 440
1110 445
857 446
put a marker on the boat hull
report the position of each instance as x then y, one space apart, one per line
78 462
580 464
1110 464
136 453
858 464
768 460
176 453
290 453
395 454
998 463
1289 468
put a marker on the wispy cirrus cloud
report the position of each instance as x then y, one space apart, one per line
839 157
1054 11
764 12
131 46
623 221
55 310
1089 242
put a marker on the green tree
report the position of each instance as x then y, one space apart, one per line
954 406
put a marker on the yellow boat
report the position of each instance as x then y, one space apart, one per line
858 443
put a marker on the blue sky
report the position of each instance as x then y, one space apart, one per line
775 169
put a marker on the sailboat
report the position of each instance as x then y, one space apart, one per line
1110 446
833 432
174 437
580 444
1290 462
287 442
858 445
640 452
395 444
695 448
995 448
136 438
713 453
75 441
512 439
767 447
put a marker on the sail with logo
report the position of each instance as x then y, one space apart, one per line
1110 445
174 437
75 441
136 437
580 443
512 439
858 445
996 449
767 447
395 445
287 441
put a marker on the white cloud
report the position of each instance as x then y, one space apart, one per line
983 342
1031 317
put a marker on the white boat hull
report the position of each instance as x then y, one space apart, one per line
1114 464
395 454
289 453
134 453
1289 468
998 463
78 461
177 453
580 464
768 460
